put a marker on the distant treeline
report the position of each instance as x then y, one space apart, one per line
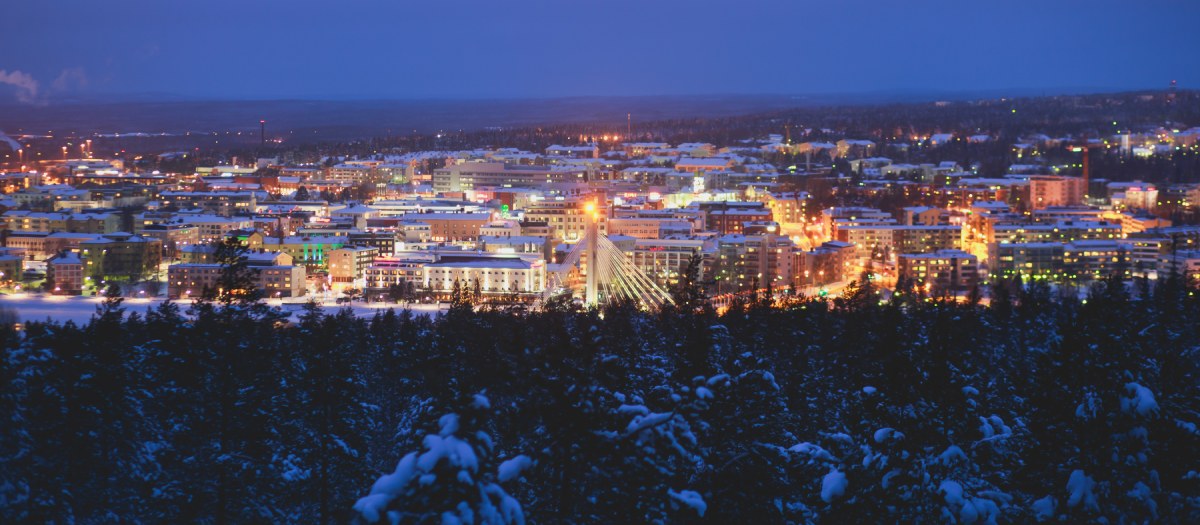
854 410
1005 120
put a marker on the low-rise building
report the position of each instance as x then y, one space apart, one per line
925 215
308 251
500 229
386 272
744 261
39 246
1079 260
590 151
568 219
65 272
220 202
272 280
349 263
664 260
649 227
451 227
940 270
1097 259
384 241
413 231
356 214
173 237
695 164
26 221
789 207
281 281
733 220
513 244
471 175
121 256
825 264
1049 190
494 275
1042 260
1185 263
11 266
1065 231
833 218
888 240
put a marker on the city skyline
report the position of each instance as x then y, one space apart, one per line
371 50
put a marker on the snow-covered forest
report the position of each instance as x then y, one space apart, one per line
854 410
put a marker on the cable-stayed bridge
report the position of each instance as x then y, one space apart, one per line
609 275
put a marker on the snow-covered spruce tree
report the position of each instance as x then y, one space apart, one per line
646 468
235 361
867 470
453 480
324 423
745 475
1171 342
32 454
570 370
1112 413
893 443
737 411
397 404
968 472
104 411
689 294
166 376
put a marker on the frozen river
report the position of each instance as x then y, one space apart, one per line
32 307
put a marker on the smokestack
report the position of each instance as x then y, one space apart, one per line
262 134
1086 171
1086 174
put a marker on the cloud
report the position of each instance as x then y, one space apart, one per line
70 78
26 86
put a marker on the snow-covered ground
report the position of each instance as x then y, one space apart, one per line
36 307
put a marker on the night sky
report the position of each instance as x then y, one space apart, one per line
237 49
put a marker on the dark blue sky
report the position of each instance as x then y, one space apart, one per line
55 49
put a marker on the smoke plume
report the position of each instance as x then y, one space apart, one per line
72 78
9 140
26 86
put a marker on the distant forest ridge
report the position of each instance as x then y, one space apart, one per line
336 120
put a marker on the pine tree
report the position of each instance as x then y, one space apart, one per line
688 292
455 479
237 283
396 292
460 299
328 418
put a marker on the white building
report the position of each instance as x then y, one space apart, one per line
495 275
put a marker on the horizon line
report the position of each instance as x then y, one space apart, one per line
930 94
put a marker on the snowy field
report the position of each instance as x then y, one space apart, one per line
31 307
